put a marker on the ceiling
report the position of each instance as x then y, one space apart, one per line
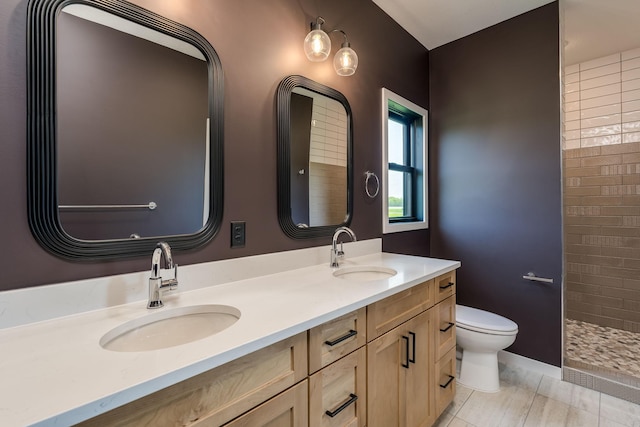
592 28
437 22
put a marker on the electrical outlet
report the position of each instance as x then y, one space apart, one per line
237 234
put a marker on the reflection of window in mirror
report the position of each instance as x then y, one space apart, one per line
404 181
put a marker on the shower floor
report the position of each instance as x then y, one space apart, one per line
610 352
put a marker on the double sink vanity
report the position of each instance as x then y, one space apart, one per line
371 342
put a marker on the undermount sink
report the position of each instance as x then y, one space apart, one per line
365 273
169 328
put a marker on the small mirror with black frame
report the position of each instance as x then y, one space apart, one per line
314 158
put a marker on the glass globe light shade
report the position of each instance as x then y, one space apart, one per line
346 61
317 45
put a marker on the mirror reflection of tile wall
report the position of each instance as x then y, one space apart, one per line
328 162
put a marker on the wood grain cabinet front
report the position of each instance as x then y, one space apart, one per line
219 395
338 393
445 380
337 338
445 326
384 315
445 286
288 409
400 366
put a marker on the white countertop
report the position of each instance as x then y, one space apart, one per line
54 372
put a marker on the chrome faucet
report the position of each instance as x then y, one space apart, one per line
337 255
156 285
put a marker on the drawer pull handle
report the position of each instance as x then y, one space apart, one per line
448 327
448 285
352 398
406 348
413 352
348 335
445 385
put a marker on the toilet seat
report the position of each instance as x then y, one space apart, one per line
484 322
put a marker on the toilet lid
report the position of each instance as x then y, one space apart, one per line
483 320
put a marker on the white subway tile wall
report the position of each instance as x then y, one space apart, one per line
601 101
328 132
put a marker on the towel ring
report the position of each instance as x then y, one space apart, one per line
368 175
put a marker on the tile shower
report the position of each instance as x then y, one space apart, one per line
601 174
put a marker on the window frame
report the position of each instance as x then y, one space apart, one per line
415 118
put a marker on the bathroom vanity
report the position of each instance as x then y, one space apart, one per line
391 363
369 350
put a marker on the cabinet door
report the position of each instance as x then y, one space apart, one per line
288 409
399 366
338 393
385 379
420 402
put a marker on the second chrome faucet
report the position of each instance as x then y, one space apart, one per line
338 254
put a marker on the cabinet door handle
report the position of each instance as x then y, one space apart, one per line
448 327
406 348
412 359
346 336
450 284
445 385
352 399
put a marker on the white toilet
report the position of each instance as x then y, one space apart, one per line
481 335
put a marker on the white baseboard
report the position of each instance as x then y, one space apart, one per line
513 359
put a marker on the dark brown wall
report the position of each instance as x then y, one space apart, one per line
495 173
259 43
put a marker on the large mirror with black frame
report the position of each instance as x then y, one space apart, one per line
124 130
314 158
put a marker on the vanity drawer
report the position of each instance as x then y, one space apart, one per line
340 388
219 395
332 340
445 387
445 285
288 409
445 325
384 315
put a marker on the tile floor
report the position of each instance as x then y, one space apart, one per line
530 399
602 349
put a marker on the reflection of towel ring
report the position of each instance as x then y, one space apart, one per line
366 184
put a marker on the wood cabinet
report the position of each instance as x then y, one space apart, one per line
338 393
219 395
288 409
445 286
411 354
399 372
445 353
337 338
382 316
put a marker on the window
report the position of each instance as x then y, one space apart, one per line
404 181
